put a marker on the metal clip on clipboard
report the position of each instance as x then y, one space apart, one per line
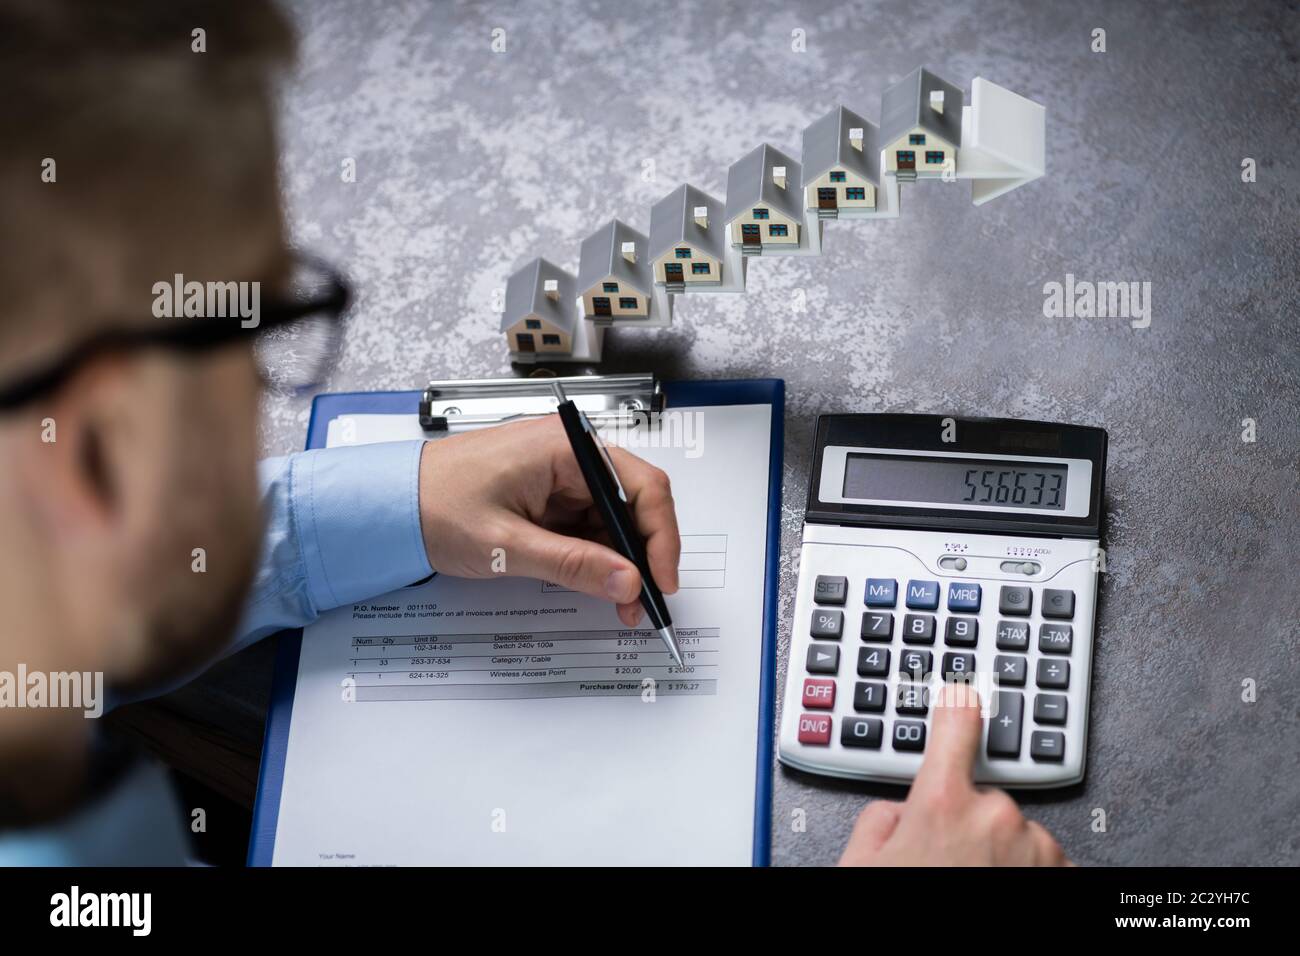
605 399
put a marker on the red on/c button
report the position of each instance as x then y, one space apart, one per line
818 694
814 728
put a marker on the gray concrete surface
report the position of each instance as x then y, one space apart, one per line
468 160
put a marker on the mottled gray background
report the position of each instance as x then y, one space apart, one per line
468 161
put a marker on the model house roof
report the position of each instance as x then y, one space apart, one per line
751 182
673 221
526 294
827 145
602 256
908 104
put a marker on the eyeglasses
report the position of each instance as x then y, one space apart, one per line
295 337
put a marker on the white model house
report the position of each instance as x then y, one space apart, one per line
687 239
841 163
920 126
764 203
614 277
541 310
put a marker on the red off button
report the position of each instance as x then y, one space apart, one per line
814 729
818 694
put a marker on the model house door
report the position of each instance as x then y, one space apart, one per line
601 304
526 343
749 233
907 159
826 197
673 271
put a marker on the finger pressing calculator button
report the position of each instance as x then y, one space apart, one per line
830 589
881 592
818 694
961 632
918 629
827 624
823 659
964 597
1047 745
912 699
1013 636
869 697
861 732
1004 724
909 735
1058 604
873 661
1050 708
915 665
877 626
1019 601
1010 670
1054 674
957 666
923 595
814 728
1055 638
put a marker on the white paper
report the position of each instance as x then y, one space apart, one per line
418 738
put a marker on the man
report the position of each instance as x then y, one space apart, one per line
134 524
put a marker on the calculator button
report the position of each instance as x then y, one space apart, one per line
869 697
1058 604
877 626
918 629
1010 671
964 597
909 735
923 595
1055 638
957 666
827 624
861 732
1054 674
912 699
1013 636
881 592
1047 745
961 632
1050 708
823 658
1019 601
829 589
873 661
818 694
915 665
814 729
1004 725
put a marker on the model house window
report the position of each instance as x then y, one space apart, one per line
532 323
699 268
683 253
610 287
916 139
627 302
934 156
748 229
777 229
855 192
838 177
906 156
760 213
550 340
599 302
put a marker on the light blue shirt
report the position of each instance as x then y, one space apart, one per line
342 525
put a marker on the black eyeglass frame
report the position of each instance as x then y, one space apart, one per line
195 336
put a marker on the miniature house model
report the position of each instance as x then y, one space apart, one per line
540 310
687 239
763 200
920 126
614 277
841 163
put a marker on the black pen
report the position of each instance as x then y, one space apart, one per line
610 500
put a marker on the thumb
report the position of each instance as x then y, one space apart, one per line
573 563
955 740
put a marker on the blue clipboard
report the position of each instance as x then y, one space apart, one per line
325 408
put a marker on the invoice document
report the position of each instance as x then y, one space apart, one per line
512 721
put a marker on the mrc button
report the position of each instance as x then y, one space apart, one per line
963 597
814 729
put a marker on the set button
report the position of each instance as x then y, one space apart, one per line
830 589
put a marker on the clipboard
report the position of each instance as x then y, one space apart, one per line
458 403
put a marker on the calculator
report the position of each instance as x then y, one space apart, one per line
938 548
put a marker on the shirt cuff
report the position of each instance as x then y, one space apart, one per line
357 509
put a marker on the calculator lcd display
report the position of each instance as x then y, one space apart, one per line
955 481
